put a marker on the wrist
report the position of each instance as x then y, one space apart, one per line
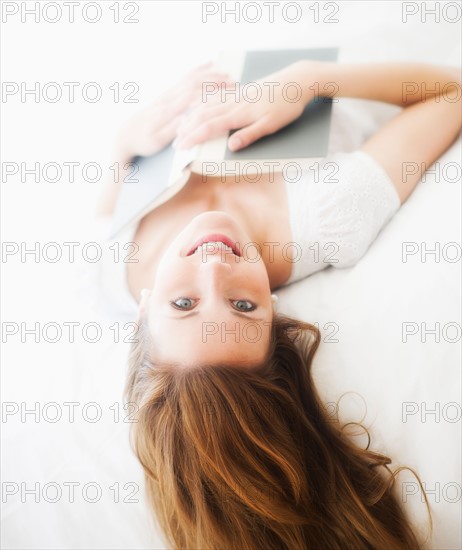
315 79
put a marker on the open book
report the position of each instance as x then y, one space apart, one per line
303 142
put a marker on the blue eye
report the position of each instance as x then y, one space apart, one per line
187 303
182 303
244 305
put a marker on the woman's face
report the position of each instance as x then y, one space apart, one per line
212 306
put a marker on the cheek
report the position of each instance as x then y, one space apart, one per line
256 270
170 259
169 273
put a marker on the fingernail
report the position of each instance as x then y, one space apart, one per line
234 144
180 144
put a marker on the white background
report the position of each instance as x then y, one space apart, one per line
369 301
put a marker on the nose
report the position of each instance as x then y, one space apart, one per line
214 270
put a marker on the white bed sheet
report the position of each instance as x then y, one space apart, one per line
367 303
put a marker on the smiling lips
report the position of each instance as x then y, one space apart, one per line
216 238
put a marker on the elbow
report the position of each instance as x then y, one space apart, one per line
452 89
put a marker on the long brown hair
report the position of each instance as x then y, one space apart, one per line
238 458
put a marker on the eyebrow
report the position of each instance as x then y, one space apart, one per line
236 313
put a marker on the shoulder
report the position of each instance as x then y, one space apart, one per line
338 209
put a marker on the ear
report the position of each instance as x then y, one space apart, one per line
143 303
274 300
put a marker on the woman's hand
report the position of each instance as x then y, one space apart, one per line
156 126
283 96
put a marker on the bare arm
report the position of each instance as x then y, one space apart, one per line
401 84
431 119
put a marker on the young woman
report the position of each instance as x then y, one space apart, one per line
237 449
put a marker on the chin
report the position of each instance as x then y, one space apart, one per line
214 216
216 221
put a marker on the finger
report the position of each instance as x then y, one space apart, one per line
162 113
206 73
244 137
211 84
208 130
210 74
183 97
162 137
200 115
201 111
200 69
220 91
198 91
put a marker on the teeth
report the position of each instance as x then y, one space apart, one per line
215 243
